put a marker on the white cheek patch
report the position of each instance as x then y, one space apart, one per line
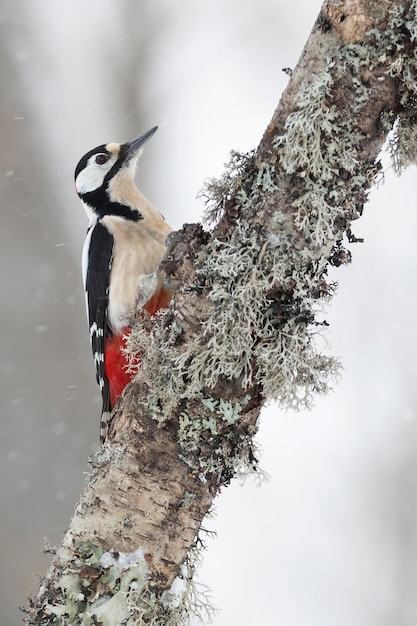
92 176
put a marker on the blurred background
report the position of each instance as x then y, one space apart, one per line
331 538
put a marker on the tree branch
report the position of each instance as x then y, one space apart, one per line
242 325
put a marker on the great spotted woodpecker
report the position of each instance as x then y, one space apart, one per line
124 245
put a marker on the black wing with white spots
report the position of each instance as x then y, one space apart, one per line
99 260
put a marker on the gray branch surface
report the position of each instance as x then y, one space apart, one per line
242 326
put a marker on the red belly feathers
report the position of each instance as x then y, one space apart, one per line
115 362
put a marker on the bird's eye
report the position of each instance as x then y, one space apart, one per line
101 159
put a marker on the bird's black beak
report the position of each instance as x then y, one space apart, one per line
132 147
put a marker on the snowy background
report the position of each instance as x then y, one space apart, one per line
331 539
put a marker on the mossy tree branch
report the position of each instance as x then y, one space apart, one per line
242 325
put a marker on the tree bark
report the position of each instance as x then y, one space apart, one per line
242 325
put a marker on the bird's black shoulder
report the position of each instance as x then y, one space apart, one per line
97 279
97 276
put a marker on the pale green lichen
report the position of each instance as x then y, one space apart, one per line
186 602
116 589
155 341
192 601
217 192
232 450
229 412
306 130
399 41
402 145
95 588
188 500
252 334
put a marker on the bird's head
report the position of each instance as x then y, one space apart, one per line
108 165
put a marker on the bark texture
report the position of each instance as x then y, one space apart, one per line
186 425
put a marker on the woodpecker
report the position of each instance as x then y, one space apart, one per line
124 245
